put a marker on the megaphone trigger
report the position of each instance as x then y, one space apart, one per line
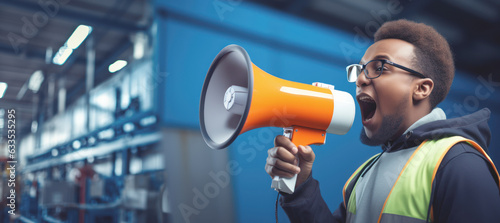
299 136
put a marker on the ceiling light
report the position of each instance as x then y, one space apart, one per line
117 65
73 42
140 43
3 88
35 81
34 126
78 36
62 55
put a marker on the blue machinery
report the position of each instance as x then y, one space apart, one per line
131 133
111 171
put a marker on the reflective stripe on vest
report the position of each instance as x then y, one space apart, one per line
349 188
409 198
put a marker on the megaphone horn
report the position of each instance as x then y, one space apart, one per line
238 96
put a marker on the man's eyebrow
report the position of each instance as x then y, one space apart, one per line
378 57
381 57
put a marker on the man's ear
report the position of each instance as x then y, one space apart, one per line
423 89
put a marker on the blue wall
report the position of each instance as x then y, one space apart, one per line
191 33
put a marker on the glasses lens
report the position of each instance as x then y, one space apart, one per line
374 68
353 72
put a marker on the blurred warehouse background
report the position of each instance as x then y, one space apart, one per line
106 97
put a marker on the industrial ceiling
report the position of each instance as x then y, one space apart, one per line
471 27
30 29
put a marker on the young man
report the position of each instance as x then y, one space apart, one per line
444 175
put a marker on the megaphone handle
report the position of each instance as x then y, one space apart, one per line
299 136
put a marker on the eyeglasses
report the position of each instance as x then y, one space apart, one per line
375 68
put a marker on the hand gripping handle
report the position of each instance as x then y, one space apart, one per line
299 136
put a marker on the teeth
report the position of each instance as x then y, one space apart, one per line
366 99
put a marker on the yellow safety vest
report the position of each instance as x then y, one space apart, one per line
410 196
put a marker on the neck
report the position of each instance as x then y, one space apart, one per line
414 113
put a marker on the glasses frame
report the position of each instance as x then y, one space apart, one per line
362 68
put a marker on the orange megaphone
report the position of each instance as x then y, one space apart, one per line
238 96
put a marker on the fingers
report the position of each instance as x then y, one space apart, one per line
273 171
276 167
282 159
282 141
282 154
306 154
287 167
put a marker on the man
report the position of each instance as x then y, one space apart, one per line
444 175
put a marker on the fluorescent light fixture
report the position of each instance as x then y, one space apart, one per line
62 55
34 126
140 42
35 81
117 65
73 42
3 88
78 36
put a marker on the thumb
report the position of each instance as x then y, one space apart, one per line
306 154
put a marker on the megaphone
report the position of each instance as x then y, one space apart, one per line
238 96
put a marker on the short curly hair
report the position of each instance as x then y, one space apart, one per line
433 56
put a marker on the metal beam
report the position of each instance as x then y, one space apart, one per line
101 149
38 55
16 104
9 50
75 16
110 58
106 21
412 8
96 38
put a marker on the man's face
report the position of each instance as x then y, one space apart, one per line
384 101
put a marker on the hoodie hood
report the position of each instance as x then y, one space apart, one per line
474 127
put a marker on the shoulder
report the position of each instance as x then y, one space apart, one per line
463 160
465 188
463 152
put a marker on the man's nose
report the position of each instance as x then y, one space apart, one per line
362 80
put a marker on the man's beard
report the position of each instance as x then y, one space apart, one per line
388 128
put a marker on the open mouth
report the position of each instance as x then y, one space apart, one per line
368 107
